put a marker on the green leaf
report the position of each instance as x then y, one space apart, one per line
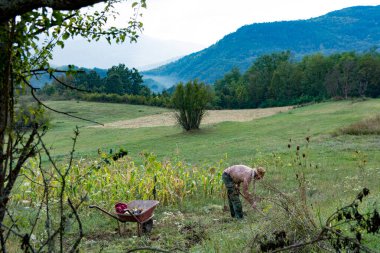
65 36
61 44
58 16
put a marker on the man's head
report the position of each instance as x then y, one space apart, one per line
260 172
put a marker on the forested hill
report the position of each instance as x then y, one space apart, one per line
351 29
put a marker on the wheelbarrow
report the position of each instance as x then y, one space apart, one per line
143 218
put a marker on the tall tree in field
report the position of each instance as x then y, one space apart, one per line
190 101
29 30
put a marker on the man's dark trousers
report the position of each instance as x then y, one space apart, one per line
236 208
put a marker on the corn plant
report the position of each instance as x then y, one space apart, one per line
169 181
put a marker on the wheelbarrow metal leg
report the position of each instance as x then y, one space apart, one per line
139 229
118 227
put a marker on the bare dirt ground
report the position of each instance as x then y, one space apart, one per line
211 117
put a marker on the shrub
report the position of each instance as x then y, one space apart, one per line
363 127
190 101
27 116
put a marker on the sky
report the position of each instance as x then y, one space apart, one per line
174 28
207 21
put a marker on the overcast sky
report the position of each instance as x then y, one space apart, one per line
199 23
207 21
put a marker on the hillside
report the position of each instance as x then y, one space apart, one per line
350 29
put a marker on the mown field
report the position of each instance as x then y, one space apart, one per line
336 168
235 142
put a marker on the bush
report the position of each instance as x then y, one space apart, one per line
190 101
363 127
27 116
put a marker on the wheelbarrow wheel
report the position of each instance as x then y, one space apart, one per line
147 226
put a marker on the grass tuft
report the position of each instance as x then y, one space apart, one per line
364 127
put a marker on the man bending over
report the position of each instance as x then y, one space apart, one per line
235 175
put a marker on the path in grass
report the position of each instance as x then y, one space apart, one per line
211 117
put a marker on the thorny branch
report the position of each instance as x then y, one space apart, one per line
330 231
67 85
25 238
52 109
37 72
80 236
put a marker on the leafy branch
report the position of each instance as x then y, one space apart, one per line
52 109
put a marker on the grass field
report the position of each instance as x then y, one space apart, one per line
337 166
240 141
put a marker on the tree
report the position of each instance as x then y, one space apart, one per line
190 102
332 82
341 80
260 74
369 75
231 91
285 86
23 23
315 67
348 73
121 80
90 81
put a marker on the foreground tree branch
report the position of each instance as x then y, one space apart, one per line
13 8
22 54
54 110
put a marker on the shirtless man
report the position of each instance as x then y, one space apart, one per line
235 175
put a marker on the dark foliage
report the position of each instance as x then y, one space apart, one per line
118 80
112 156
278 240
278 80
190 102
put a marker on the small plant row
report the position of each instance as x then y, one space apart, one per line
106 181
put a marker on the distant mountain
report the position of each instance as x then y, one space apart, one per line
350 29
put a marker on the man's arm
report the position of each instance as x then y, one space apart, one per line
246 193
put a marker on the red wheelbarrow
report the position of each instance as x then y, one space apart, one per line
139 211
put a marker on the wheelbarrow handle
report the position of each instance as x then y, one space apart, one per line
104 211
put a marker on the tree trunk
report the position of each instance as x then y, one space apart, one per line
5 101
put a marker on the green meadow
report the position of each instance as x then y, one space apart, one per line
240 142
336 167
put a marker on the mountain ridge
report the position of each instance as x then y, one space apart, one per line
349 29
